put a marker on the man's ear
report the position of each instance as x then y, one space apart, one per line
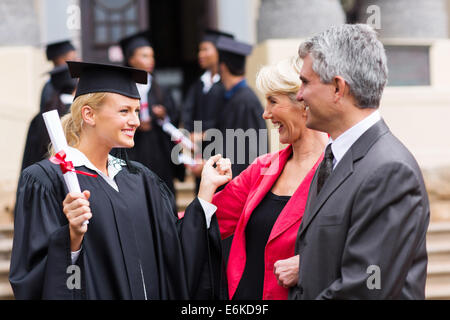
340 88
222 67
88 115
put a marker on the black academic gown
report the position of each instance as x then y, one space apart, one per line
199 106
243 111
38 140
153 148
48 91
134 240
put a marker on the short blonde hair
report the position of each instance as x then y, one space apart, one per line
280 78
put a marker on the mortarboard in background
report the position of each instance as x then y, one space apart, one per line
96 77
134 41
233 53
211 35
57 49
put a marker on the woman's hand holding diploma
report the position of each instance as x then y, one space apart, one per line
77 210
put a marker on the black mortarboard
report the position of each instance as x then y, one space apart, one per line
96 77
61 80
134 41
213 35
233 53
227 44
57 49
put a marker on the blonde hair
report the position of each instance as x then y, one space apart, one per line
72 122
280 78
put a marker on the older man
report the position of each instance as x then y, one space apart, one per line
364 226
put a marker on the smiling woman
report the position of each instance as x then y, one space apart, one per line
261 262
136 247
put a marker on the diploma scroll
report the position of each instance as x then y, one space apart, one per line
176 134
59 142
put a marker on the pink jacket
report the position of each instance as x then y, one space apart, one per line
235 205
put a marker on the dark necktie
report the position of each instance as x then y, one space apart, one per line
326 166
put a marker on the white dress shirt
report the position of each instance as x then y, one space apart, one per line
343 143
114 166
207 83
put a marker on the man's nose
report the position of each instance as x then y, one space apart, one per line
299 96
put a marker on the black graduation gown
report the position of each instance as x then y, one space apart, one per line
133 235
153 148
48 91
243 111
38 140
199 106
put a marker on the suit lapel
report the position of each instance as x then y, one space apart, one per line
342 171
294 208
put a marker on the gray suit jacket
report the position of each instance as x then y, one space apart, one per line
363 236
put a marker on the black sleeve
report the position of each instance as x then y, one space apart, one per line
37 142
202 251
41 246
188 109
171 108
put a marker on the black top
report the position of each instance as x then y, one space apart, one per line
135 246
257 234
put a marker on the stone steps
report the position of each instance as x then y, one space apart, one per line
438 273
6 231
438 247
185 193
6 292
6 234
5 249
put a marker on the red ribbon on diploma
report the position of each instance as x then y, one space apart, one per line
66 166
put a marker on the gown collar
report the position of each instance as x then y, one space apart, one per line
114 165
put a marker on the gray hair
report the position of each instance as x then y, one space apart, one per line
354 53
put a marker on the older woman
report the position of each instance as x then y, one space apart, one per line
134 246
263 206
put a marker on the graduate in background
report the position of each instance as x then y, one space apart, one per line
205 98
242 109
58 53
152 145
134 246
63 89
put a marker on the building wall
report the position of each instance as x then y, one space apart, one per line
21 80
417 115
239 18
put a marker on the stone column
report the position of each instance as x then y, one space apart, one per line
408 18
19 23
282 19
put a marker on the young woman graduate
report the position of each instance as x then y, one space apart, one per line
134 246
